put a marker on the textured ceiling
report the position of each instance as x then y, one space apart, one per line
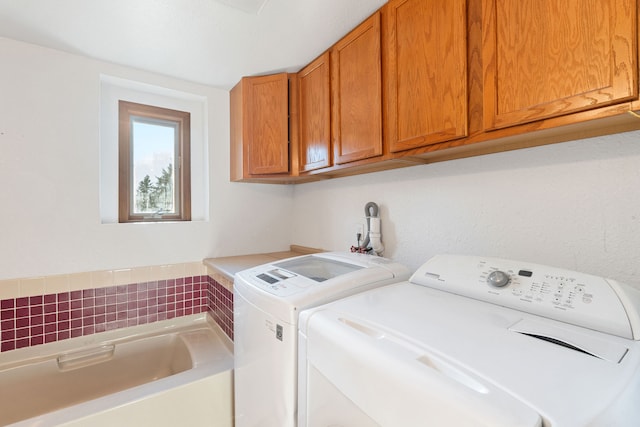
214 42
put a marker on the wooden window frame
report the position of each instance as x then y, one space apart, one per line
182 169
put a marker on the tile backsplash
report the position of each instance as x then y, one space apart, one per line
34 319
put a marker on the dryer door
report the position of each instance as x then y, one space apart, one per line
358 375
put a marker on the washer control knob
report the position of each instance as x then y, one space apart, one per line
498 279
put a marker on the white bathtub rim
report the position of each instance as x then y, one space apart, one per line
123 398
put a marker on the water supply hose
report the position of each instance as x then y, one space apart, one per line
373 236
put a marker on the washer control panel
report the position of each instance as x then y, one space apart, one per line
563 291
274 282
580 299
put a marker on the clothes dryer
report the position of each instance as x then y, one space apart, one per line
267 301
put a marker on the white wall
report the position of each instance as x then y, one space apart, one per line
49 177
574 205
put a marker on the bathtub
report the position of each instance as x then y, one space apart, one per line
174 372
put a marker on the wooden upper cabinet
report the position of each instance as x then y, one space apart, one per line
314 105
260 126
425 74
546 58
356 89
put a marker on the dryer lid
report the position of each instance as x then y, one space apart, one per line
316 268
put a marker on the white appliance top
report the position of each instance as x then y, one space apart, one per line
284 287
531 346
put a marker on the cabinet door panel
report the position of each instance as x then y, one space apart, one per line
267 148
356 84
314 112
426 77
547 58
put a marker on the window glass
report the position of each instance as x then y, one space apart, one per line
154 145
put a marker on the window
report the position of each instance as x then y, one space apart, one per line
154 164
171 95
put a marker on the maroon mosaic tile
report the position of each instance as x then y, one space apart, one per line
29 321
220 305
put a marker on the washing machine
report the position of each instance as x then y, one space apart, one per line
267 301
473 341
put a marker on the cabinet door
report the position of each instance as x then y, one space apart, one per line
356 88
425 72
547 58
266 124
314 113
